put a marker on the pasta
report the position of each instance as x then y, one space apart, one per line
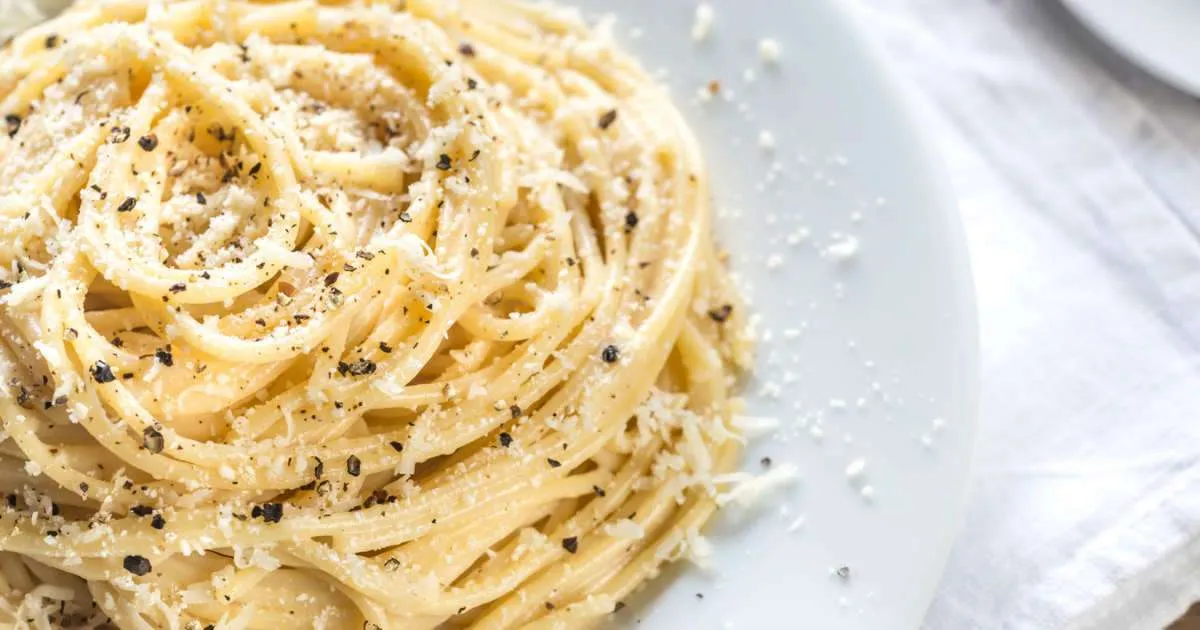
350 316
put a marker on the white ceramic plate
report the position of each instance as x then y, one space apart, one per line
1158 35
877 352
888 333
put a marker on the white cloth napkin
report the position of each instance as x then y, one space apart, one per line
1079 180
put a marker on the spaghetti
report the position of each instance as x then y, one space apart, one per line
350 316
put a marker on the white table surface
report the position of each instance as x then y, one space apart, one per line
1079 181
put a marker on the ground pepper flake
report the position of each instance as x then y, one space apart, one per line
505 440
164 356
148 142
136 565
515 411
361 367
396 446
178 287
610 354
631 220
554 463
332 279
607 119
384 348
466 49
201 199
118 135
599 491
152 439
443 163
721 314
270 512
127 205
51 41
571 544
103 373
14 124
158 522
141 510
353 466
392 564
319 469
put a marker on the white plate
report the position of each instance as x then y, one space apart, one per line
1159 35
893 326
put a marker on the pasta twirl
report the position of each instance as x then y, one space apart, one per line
350 316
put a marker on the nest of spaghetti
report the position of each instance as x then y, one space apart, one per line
358 316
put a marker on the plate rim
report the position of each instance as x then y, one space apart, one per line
916 125
1128 48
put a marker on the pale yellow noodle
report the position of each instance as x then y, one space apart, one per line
350 315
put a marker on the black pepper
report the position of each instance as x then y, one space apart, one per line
178 287
361 367
14 124
319 469
148 142
384 348
353 466
554 463
443 163
331 279
599 491
608 119
721 313
515 411
271 512
200 199
158 522
136 565
51 41
466 49
164 356
610 354
102 372
152 439
396 446
505 440
127 205
571 544
631 220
